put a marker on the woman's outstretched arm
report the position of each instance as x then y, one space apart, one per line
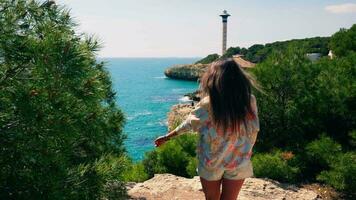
162 139
192 122
185 126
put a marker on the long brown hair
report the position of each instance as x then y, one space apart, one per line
229 89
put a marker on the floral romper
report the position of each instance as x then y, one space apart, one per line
219 154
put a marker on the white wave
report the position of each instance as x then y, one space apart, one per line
163 98
185 99
135 115
178 90
160 77
163 122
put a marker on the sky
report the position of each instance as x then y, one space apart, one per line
193 28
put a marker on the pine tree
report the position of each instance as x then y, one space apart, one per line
60 128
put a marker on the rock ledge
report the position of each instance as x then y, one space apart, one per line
190 72
167 187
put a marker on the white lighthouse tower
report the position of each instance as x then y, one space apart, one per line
224 17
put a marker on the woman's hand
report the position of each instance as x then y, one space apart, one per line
161 140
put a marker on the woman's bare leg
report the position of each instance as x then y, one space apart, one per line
211 189
231 188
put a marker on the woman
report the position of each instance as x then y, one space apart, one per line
227 124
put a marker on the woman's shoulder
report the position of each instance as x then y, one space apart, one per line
204 103
202 107
253 98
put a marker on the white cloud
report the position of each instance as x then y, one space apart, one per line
341 8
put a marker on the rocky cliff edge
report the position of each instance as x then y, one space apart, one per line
169 187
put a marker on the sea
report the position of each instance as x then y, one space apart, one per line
145 96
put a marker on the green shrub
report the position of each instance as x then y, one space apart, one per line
352 140
188 142
329 164
134 172
317 156
230 52
175 157
275 166
152 165
258 53
322 152
303 99
110 170
208 59
343 42
342 173
192 167
285 79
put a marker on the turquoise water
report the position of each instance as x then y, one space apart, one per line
145 95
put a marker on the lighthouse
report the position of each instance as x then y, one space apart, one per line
224 17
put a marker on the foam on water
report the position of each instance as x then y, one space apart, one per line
185 99
160 77
178 90
135 115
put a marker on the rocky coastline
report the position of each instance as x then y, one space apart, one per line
191 72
